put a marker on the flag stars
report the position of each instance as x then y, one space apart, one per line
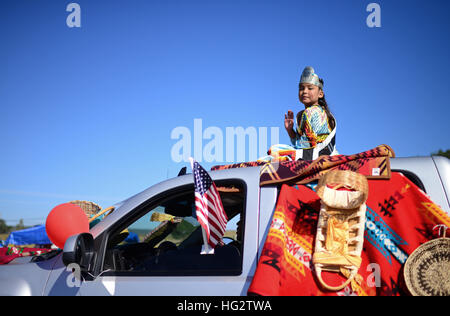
202 179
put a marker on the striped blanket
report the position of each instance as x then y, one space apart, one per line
374 164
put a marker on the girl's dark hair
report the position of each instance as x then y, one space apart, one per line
323 103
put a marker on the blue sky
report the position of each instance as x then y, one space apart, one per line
87 113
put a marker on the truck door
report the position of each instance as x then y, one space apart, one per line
156 249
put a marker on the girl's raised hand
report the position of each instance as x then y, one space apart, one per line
289 120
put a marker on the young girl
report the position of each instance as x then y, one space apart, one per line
315 132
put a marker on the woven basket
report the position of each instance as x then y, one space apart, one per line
427 270
89 208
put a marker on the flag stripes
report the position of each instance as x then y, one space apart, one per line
213 224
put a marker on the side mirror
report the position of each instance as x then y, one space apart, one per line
79 249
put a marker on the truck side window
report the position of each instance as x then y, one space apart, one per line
167 239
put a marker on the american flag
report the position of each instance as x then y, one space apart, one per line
209 208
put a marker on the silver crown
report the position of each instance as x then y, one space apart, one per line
308 76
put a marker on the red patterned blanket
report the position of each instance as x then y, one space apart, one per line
399 218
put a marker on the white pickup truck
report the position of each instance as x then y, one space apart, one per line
165 257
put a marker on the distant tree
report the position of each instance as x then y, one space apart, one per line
442 153
4 229
20 225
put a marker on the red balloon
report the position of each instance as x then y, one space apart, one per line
65 220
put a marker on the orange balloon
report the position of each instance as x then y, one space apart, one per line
65 220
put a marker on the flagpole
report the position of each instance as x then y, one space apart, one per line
206 249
